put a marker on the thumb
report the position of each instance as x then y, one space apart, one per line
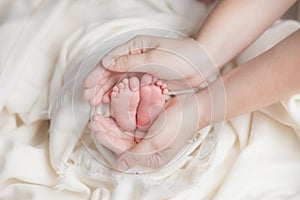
153 151
146 153
133 63
127 56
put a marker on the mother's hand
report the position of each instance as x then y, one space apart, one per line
164 58
181 119
166 136
180 63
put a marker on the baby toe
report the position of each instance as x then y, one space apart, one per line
121 86
146 79
165 91
159 83
125 81
134 83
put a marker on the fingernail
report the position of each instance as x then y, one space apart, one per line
122 165
108 63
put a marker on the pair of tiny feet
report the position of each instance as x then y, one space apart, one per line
135 104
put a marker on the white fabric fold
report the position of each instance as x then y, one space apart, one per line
46 151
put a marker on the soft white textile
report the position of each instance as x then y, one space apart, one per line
44 43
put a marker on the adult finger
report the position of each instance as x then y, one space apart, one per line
137 55
95 76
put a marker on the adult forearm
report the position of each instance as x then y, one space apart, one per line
268 78
233 25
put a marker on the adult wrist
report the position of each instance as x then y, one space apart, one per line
214 49
204 103
199 58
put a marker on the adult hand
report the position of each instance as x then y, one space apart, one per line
171 60
107 133
180 63
166 136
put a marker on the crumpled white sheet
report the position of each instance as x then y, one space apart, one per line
44 42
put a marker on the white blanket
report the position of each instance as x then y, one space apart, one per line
45 43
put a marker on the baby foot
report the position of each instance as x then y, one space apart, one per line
124 102
152 94
109 135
